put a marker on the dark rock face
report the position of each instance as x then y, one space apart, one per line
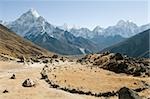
118 67
118 56
126 93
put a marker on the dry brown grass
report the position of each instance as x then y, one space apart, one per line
94 79
14 45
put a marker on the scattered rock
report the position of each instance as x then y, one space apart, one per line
63 59
56 60
139 89
35 60
44 76
45 61
22 59
13 76
28 83
126 93
106 53
55 56
5 91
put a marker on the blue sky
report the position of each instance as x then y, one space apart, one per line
83 13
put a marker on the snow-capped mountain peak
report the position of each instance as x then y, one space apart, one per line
64 27
34 12
31 23
3 22
31 15
127 23
120 23
97 29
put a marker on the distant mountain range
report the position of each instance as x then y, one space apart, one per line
35 28
13 45
136 46
105 37
123 28
62 40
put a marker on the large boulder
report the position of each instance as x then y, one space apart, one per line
126 93
28 83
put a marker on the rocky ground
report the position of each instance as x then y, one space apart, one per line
118 63
62 78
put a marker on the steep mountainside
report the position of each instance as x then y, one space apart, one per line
14 45
54 45
106 41
136 46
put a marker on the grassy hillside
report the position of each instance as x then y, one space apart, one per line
14 45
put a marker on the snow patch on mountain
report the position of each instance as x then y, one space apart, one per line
34 12
83 32
64 27
98 31
82 50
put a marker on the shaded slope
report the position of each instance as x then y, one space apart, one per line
104 42
54 45
136 46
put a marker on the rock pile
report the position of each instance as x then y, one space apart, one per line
118 63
